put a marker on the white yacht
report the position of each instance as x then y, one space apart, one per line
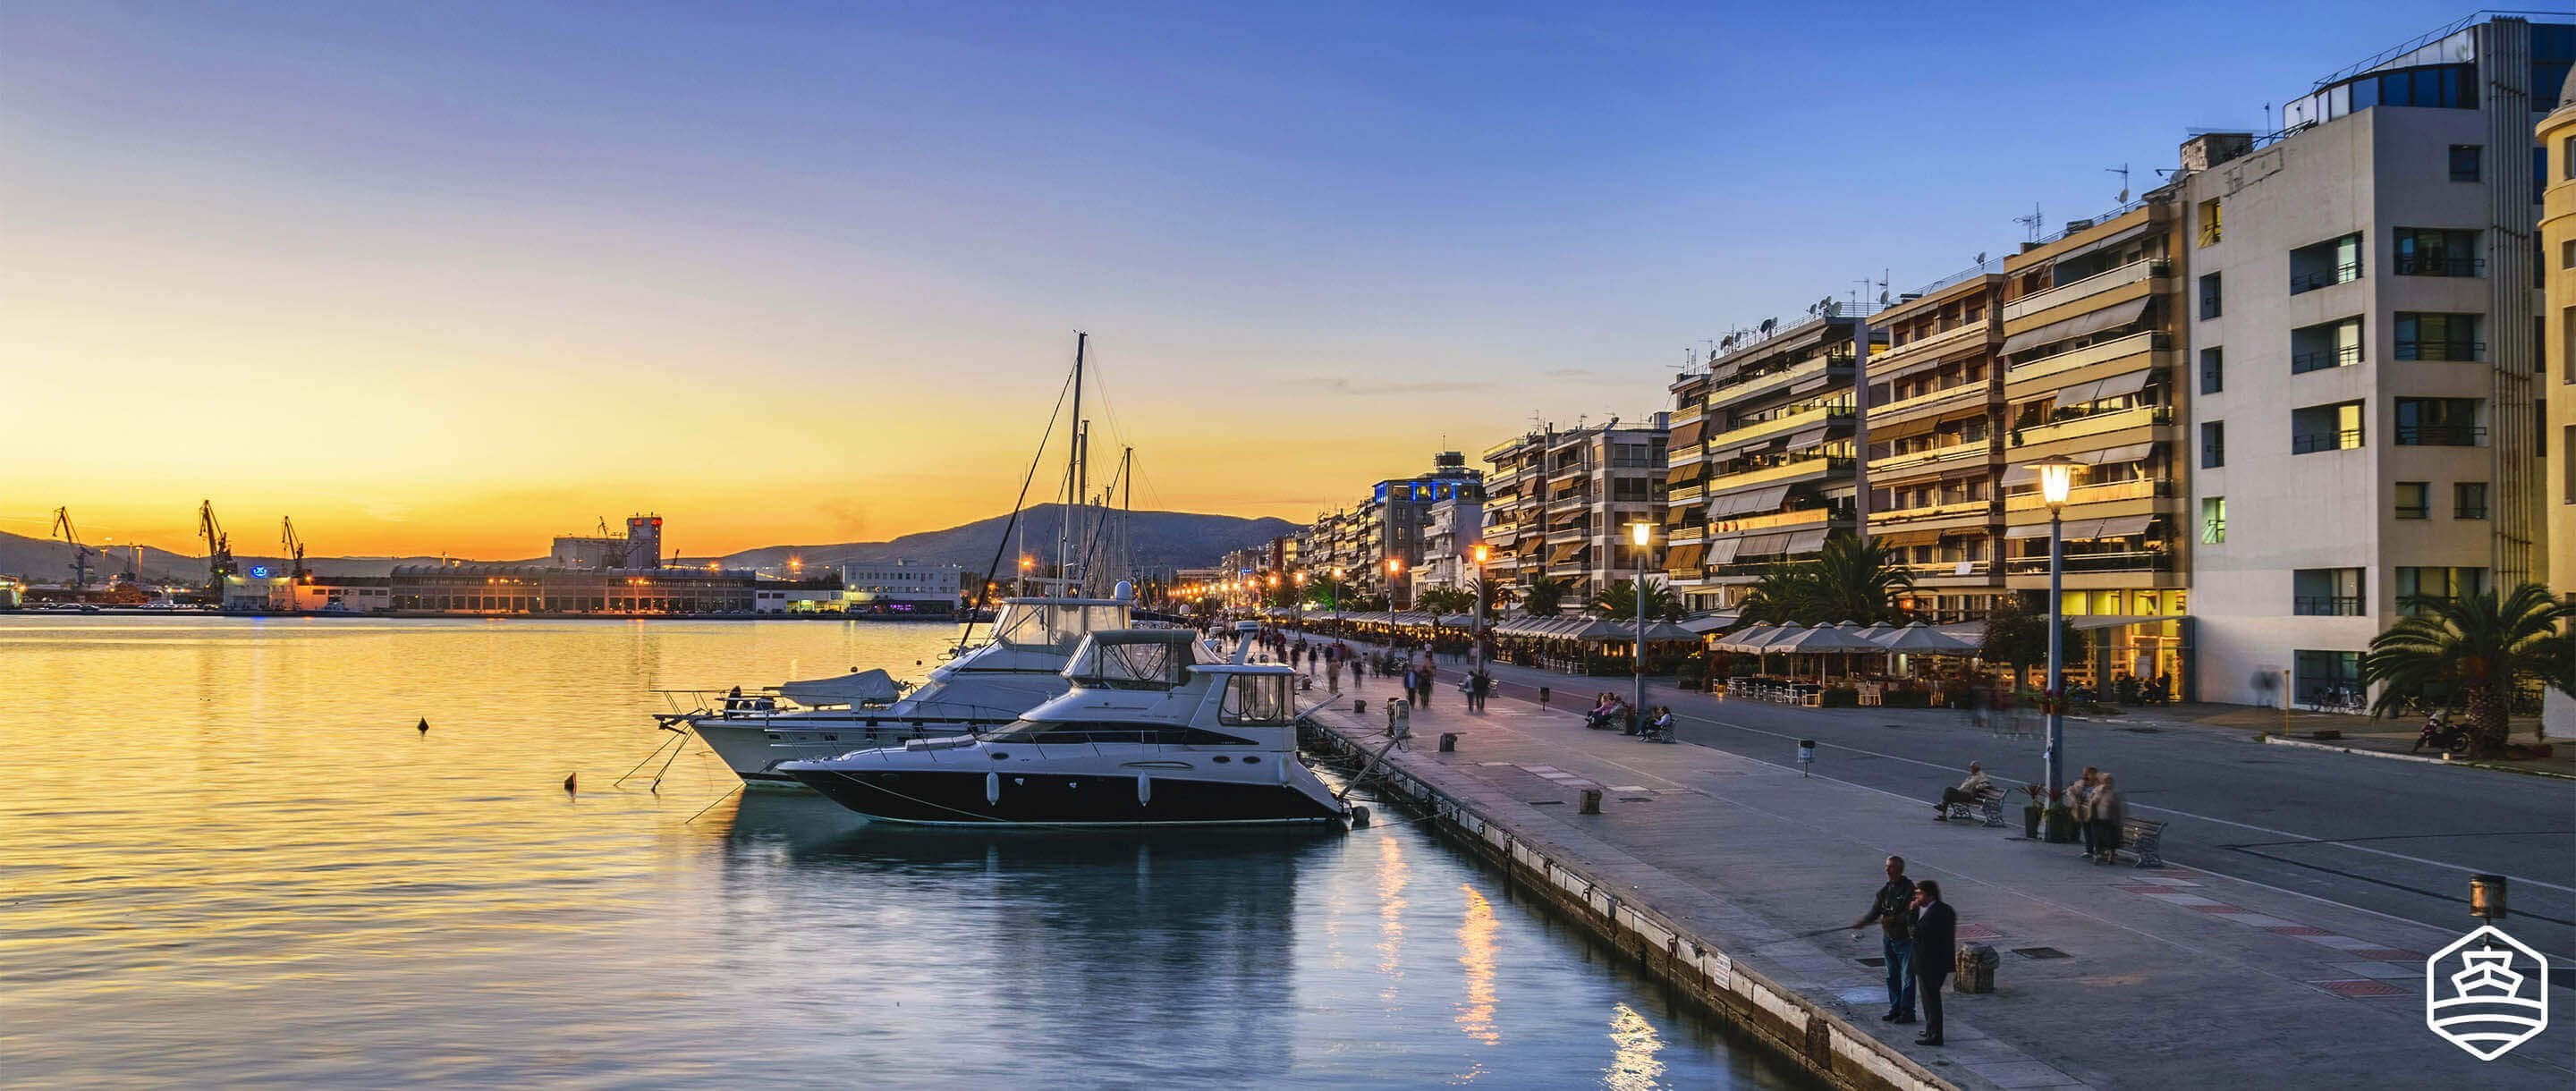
1149 735
1019 667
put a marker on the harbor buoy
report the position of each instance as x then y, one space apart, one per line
424 725
1359 817
569 783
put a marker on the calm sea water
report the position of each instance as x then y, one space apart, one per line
227 856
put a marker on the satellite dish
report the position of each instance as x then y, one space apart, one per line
1981 258
1768 323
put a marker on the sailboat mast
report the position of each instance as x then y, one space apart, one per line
1073 464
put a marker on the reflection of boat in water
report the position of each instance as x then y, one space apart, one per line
1019 667
1148 736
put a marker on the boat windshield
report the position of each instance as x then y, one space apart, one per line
1132 660
1254 699
1056 625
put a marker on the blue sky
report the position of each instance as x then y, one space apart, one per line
1357 227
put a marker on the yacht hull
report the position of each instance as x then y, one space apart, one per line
753 746
977 798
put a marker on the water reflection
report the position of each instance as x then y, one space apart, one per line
1476 957
1633 1067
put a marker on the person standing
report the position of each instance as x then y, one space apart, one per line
1892 908
1936 947
2079 805
1480 686
1426 676
1332 674
1412 682
2102 827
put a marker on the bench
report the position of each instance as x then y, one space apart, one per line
2144 839
1989 805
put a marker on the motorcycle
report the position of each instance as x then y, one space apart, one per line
2442 735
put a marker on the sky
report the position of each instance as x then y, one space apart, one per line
456 277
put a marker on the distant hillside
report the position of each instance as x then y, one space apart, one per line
1162 540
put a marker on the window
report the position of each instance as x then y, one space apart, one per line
2450 86
2326 592
2414 500
2213 367
2438 252
2427 336
2325 677
2213 444
2439 422
2209 224
2469 500
2326 345
2567 254
2567 157
2437 583
2209 296
2464 162
2318 265
2213 520
2331 427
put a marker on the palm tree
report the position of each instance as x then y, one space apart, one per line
1445 600
2479 650
1546 595
1848 581
1496 595
1619 600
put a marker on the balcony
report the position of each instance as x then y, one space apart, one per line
2308 443
1966 393
1689 413
1964 331
1931 458
1952 509
1687 456
2440 435
1787 423
1686 535
2461 351
2145 560
1728 391
2087 356
2326 605
2133 273
1785 471
2440 267
1800 517
2325 277
2145 488
1686 494
2097 424
1951 568
2324 359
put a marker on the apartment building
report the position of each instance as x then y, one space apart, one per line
2364 294
1378 543
2558 341
2089 319
1762 458
1558 504
1455 525
1935 441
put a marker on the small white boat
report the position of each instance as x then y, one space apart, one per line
1148 736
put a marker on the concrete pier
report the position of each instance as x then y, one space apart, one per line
1731 877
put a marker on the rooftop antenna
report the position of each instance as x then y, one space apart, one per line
2031 222
2123 171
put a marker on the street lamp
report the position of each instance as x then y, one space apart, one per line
1337 602
1299 595
1476 634
1394 568
1639 533
2056 480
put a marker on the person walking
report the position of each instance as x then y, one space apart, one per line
1412 683
1936 948
2102 824
1332 675
1892 909
1480 686
1426 677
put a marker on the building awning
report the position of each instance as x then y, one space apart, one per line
1683 558
1898 539
1806 541
2031 530
1723 550
2113 456
1688 435
1809 437
1932 361
1813 383
2111 318
2091 622
2125 526
2107 241
1564 553
1682 475
1762 545
1767 498
2117 386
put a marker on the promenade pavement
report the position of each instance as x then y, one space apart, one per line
2111 976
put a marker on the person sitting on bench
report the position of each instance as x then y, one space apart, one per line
1968 791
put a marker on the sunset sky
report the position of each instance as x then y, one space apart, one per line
456 277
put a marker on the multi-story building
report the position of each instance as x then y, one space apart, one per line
1571 498
1762 465
2089 320
2558 337
2363 294
897 586
1934 463
1378 544
1456 525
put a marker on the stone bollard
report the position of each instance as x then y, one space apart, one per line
1359 706
1448 742
1591 803
1975 969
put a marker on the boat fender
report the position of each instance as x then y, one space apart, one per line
1144 789
992 789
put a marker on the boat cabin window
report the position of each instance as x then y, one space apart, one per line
1131 661
1257 699
1055 625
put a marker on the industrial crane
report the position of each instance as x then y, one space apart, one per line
294 549
219 546
80 553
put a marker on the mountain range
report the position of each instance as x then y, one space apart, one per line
1159 540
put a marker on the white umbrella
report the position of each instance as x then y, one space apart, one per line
1919 637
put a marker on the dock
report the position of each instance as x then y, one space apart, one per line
1731 878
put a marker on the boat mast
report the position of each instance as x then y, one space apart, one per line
1072 467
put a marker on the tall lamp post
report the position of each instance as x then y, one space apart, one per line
1337 602
1476 633
1298 579
1638 534
1394 568
2056 479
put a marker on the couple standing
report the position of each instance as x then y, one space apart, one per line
1919 935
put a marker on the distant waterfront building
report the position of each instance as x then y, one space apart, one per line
459 587
2558 339
901 587
1389 525
2365 294
1558 505
1762 458
640 548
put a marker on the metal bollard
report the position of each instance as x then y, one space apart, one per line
1448 742
1591 803
1359 706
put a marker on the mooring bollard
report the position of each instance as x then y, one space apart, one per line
1591 802
1359 706
1448 742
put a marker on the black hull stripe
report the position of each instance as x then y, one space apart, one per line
957 798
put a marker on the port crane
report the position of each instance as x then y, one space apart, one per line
80 553
219 547
294 547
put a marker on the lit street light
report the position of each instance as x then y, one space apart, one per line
2056 479
1640 533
